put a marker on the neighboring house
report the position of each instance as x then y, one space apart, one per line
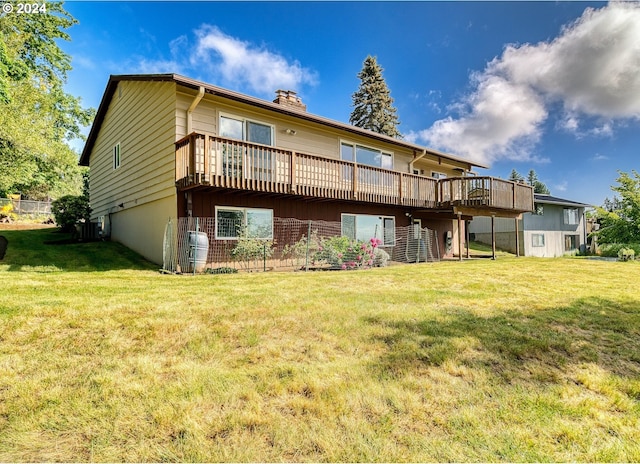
556 227
165 146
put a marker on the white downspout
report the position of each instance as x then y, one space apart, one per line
422 155
194 103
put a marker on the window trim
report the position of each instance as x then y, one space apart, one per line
354 146
382 218
244 210
245 131
539 244
576 242
116 153
567 216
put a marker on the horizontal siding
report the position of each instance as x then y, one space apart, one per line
141 117
310 137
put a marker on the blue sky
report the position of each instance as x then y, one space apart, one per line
549 86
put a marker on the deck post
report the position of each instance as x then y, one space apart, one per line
466 232
493 236
517 239
459 236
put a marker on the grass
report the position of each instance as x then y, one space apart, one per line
104 359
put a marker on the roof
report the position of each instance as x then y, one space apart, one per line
551 200
235 96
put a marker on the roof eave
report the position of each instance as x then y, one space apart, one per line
236 96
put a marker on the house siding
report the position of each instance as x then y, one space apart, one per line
550 224
141 118
310 138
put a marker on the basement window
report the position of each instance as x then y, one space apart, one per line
364 227
537 240
233 223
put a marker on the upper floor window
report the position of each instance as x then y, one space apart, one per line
571 216
366 155
438 175
538 209
245 129
116 156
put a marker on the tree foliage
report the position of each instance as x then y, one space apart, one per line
37 118
372 103
620 218
532 180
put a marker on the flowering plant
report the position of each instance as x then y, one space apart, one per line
345 253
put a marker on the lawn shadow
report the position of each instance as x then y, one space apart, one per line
49 250
518 346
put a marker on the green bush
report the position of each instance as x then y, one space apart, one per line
611 250
71 210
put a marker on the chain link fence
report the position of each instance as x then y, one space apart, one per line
28 208
196 245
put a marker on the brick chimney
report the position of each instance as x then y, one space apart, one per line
290 99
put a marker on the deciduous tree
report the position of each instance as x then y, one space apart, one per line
620 219
37 118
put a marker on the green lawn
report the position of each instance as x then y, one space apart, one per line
102 358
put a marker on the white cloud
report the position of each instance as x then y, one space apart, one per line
561 187
592 69
242 63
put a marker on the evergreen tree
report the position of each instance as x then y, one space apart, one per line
538 187
372 103
515 176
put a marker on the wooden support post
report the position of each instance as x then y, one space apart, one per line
517 239
493 236
466 232
460 236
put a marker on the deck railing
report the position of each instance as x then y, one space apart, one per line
209 160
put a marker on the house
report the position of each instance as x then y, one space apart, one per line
554 228
164 146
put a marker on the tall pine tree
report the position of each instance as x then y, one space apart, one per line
372 103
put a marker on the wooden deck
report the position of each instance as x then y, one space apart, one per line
205 160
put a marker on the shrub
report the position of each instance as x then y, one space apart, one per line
611 250
626 254
6 211
252 249
71 210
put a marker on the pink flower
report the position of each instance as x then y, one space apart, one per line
359 258
370 262
344 266
340 255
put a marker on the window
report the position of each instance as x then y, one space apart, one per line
438 175
537 240
364 227
571 215
366 155
244 129
570 242
116 156
538 209
249 162
233 223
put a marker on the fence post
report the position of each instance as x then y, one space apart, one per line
306 261
195 249
264 257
